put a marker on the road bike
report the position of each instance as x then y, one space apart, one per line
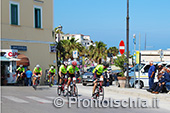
36 82
20 80
72 90
50 80
61 88
99 90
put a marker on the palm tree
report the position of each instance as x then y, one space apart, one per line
112 51
97 52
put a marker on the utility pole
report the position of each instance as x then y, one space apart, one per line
139 65
134 41
127 45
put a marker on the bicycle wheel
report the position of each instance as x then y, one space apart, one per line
101 93
59 91
96 93
64 91
69 91
36 84
75 91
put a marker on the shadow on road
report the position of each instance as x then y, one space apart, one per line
43 88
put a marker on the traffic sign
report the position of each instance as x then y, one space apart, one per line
121 47
75 54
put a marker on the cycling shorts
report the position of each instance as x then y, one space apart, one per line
52 74
71 76
95 76
36 74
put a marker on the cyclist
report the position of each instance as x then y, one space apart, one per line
97 73
20 71
71 71
36 72
51 73
62 71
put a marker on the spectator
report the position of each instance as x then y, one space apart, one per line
160 67
164 79
151 75
161 71
28 75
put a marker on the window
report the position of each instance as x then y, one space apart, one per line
14 13
63 37
137 67
67 38
146 69
37 17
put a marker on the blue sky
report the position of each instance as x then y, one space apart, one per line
105 20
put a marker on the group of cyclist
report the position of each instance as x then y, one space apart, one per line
36 72
66 71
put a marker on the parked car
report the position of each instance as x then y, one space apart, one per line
87 77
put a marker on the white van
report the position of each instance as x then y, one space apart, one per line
143 69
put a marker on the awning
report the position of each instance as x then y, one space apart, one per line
2 58
24 60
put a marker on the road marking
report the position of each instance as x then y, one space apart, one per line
18 100
39 99
65 100
50 97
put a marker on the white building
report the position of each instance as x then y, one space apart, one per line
82 39
155 55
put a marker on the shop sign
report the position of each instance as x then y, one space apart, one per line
53 48
10 53
19 48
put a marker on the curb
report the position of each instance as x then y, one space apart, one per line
138 93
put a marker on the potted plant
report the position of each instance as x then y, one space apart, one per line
120 62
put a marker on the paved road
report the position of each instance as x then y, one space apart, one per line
16 99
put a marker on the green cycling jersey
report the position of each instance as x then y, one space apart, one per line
21 69
99 69
63 69
52 70
37 70
72 70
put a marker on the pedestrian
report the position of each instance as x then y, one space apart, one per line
151 75
29 76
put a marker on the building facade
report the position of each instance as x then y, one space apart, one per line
155 55
27 26
82 39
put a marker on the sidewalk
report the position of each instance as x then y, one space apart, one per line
137 93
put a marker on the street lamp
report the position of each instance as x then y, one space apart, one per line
60 27
127 45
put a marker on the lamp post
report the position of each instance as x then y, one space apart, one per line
127 45
57 39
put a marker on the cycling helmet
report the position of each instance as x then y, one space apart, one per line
21 66
37 65
106 64
52 67
65 63
74 63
